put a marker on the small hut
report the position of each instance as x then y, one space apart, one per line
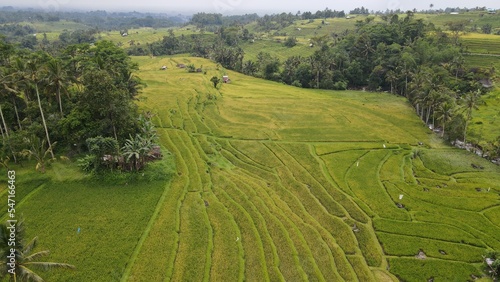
226 79
163 68
182 66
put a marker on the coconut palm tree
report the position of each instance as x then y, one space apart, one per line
133 83
471 101
37 149
391 77
4 91
29 71
57 78
433 99
445 112
9 88
25 258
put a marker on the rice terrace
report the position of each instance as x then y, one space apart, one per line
257 180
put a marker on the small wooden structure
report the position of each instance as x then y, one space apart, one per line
163 68
182 66
226 79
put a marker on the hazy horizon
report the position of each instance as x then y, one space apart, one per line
239 6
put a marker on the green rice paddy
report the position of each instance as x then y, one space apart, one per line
272 183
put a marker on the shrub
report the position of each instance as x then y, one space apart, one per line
290 42
87 163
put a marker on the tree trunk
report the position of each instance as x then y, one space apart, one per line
59 100
43 121
17 113
1 131
317 79
465 132
406 86
114 131
7 134
469 113
4 124
428 115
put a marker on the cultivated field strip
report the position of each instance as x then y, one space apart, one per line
270 187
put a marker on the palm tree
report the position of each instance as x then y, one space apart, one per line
57 78
456 65
30 72
392 78
25 260
406 66
8 85
471 101
4 125
37 149
133 84
4 89
446 111
419 88
433 100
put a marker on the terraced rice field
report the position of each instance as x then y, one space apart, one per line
481 43
276 183
271 183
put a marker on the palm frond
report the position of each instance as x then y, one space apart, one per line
25 274
35 256
49 265
30 246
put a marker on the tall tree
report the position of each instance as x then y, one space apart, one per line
32 73
57 78
445 114
471 101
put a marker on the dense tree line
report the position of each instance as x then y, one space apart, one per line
93 19
361 11
61 101
265 23
322 14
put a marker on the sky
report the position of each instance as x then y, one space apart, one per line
242 6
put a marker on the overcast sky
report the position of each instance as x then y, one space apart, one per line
245 6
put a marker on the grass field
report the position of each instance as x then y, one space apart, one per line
271 183
275 49
476 18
